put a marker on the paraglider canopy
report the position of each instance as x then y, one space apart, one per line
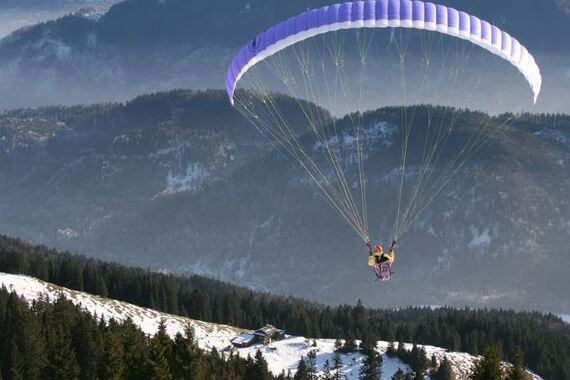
381 14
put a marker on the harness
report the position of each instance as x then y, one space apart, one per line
383 269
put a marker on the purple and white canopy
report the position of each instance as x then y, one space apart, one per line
382 14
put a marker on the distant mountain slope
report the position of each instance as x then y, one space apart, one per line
281 356
181 181
18 14
147 45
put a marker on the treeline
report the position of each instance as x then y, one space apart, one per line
59 341
544 338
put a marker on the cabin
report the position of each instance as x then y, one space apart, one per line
268 334
244 340
264 335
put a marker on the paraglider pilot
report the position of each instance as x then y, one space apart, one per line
380 260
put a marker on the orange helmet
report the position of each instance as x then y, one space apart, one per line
379 249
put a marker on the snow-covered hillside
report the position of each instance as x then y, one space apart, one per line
281 356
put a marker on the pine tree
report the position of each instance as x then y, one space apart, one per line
113 364
372 365
413 358
159 354
260 370
327 371
185 352
88 341
337 361
391 350
136 354
401 352
444 371
16 363
489 367
418 375
62 363
24 340
349 346
433 363
518 371
337 345
399 375
422 362
302 371
312 365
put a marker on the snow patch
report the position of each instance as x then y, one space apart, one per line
67 233
553 135
379 133
481 239
91 13
191 180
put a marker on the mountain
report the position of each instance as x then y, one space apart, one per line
282 356
180 181
147 45
18 14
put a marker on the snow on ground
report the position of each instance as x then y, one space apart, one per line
284 356
565 317
195 175
281 356
208 334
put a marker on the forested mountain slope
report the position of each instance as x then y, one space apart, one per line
543 337
180 181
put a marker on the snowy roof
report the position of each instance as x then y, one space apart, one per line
243 338
268 330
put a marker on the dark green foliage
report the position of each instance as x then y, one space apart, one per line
312 364
544 338
327 371
260 370
416 358
518 371
337 361
391 350
59 341
113 356
307 367
302 370
399 375
372 365
160 352
444 371
489 367
433 363
349 346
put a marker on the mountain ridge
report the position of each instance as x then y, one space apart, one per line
192 193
